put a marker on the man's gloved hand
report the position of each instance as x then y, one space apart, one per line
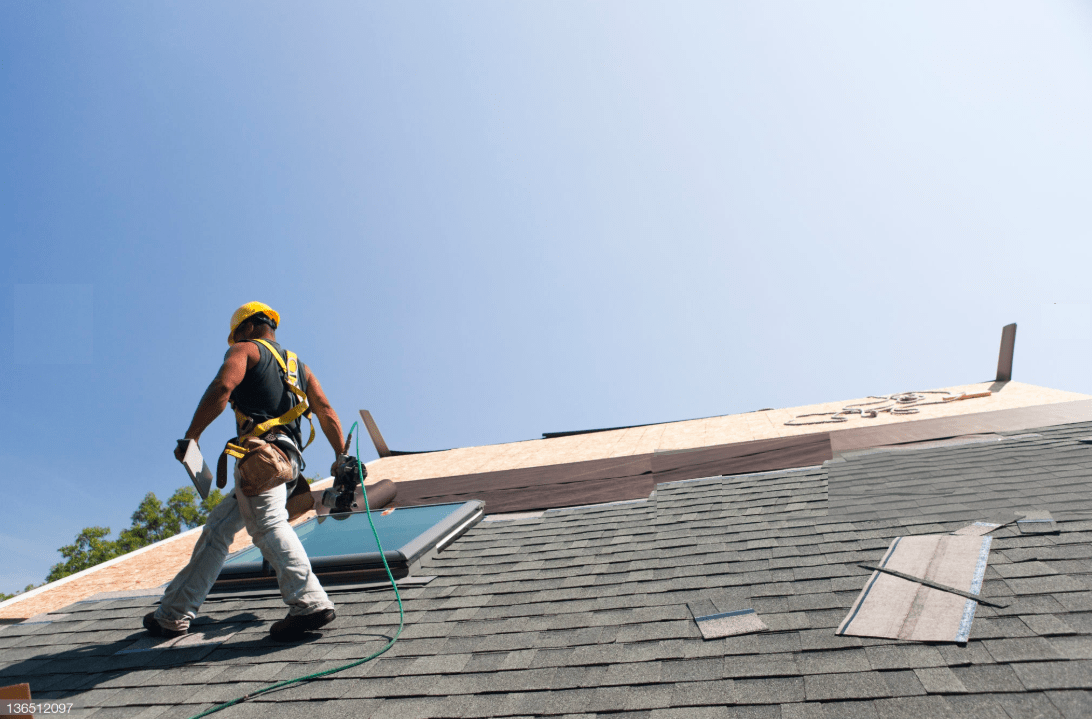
348 464
180 452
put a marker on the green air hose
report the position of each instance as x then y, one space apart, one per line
316 675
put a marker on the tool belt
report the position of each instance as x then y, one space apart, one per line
262 466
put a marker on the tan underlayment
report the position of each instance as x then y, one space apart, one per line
159 564
690 434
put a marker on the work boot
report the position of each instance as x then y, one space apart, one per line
294 625
158 630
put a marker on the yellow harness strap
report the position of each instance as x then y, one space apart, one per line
235 450
291 371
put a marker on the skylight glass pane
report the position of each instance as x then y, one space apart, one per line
335 535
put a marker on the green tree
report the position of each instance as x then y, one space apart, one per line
27 588
151 522
90 548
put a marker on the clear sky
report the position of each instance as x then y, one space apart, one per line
487 220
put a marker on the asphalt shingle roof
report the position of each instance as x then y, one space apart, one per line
583 613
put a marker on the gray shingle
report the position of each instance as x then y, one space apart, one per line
776 690
1047 585
763 644
567 701
1072 704
1055 675
979 706
1046 624
1035 705
656 696
833 662
1020 650
1072 647
824 687
982 679
956 655
692 670
999 628
903 683
762 665
904 656
334 709
1024 569
830 710
814 639
927 707
184 711
703 693
940 680
711 712
118 713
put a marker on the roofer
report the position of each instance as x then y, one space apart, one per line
270 391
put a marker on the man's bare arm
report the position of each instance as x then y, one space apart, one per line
327 417
241 356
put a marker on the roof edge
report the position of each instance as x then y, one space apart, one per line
91 570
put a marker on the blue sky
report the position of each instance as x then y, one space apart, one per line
484 221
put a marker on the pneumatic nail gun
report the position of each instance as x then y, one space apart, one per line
348 476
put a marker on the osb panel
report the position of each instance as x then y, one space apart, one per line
613 479
691 434
1018 418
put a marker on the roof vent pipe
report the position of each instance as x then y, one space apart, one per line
1004 359
373 430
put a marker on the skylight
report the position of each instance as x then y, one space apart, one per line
342 549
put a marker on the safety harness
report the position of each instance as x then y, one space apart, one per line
250 427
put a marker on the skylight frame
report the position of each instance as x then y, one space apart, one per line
355 567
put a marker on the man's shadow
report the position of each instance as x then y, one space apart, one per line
78 669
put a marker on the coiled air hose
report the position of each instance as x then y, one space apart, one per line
316 675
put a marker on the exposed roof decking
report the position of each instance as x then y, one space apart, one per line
689 434
582 613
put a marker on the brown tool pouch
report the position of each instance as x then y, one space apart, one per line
300 501
263 467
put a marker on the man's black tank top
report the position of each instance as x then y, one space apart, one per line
263 393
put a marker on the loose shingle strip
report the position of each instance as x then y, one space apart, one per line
896 604
1037 522
716 624
730 624
934 585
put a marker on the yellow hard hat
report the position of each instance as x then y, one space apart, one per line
249 310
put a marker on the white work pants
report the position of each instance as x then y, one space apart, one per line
266 520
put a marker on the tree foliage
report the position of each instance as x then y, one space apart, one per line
151 522
27 588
